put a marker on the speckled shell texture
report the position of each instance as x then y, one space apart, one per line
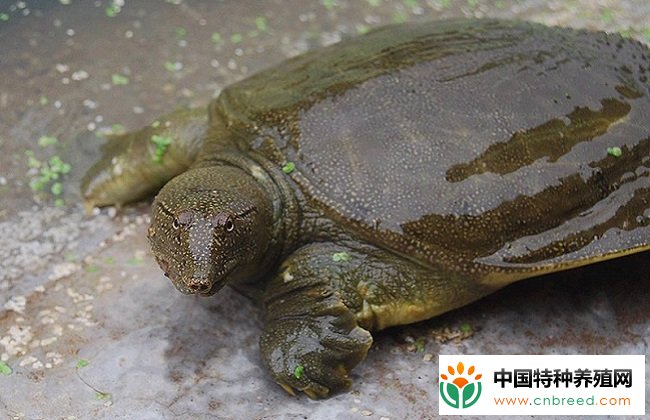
476 144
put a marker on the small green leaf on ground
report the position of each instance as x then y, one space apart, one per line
36 185
216 38
112 11
32 162
261 23
465 328
4 17
82 363
329 4
59 166
363 29
52 170
45 141
614 151
119 80
173 66
236 38
341 257
298 371
43 100
289 167
180 32
5 369
92 268
420 344
56 188
118 129
374 3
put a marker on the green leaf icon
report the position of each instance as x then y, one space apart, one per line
471 394
452 390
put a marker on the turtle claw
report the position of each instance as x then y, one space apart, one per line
313 389
313 355
311 394
287 388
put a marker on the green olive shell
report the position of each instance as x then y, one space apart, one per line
483 146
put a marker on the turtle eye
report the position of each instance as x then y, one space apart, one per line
223 221
183 219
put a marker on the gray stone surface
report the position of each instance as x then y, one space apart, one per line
89 326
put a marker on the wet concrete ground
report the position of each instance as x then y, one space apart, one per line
89 327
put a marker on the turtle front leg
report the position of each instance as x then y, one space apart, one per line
137 164
311 339
327 297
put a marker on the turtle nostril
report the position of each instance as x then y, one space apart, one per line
199 286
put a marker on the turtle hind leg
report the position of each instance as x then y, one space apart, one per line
136 164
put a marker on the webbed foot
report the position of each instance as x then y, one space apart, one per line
311 340
314 352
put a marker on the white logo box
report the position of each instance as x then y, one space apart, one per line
542 385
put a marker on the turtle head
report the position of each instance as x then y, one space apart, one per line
210 226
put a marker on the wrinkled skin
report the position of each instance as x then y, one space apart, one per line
396 176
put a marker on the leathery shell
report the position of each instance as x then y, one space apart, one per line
496 149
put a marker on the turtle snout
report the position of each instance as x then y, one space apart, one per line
201 279
199 284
